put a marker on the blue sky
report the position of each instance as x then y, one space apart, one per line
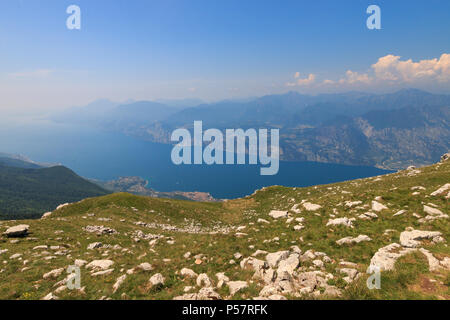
217 49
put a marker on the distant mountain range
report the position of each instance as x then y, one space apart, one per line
389 131
27 190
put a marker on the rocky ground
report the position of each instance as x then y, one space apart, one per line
279 243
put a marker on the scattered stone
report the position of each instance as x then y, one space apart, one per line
157 280
274 258
50 296
276 214
102 273
441 190
62 206
411 239
46 215
311 206
433 263
318 263
222 279
204 294
259 252
350 240
368 215
185 272
289 265
119 282
399 213
386 257
100 264
99 230
15 256
341 221
80 263
432 211
40 247
296 209
445 263
145 266
203 280
94 245
351 204
236 286
351 274
376 206
53 274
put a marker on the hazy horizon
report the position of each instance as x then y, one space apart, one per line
214 51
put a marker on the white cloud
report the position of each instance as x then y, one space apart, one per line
352 77
391 68
388 71
302 82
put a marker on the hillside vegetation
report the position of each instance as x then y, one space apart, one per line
28 192
279 243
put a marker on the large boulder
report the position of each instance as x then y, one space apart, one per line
385 257
411 239
20 230
274 258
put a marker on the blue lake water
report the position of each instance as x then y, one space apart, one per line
105 156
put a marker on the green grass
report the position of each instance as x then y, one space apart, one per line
125 210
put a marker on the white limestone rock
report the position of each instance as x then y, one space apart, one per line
376 206
411 239
276 214
351 240
236 286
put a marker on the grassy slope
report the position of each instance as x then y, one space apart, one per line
410 280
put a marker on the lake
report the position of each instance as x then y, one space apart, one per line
104 155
